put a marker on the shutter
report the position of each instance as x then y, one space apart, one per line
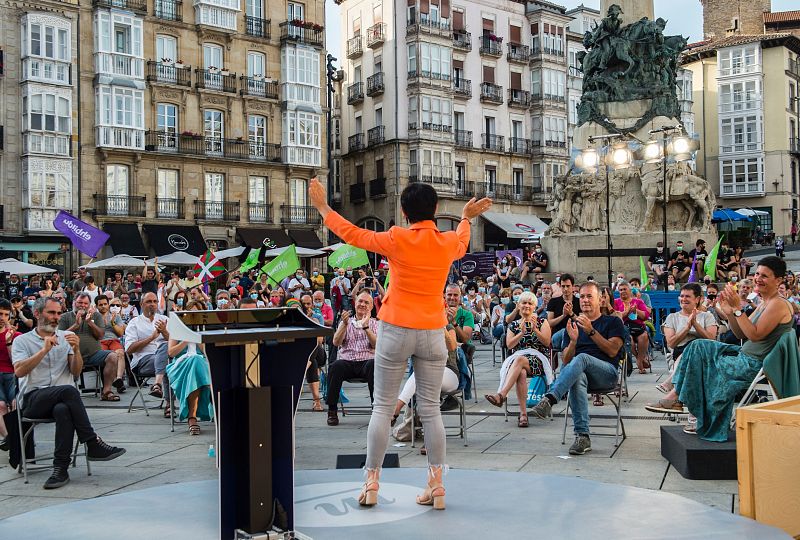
424 7
488 24
535 29
488 74
458 64
359 174
516 34
458 20
379 168
516 81
445 9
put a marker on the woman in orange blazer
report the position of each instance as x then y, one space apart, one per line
412 320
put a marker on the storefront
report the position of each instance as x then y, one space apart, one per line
44 253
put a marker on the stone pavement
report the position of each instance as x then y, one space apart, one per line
156 456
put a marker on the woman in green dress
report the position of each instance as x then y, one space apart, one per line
711 374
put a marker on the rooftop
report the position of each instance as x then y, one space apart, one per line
782 16
709 47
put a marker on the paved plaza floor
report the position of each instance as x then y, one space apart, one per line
155 456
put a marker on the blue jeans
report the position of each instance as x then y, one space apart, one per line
583 371
498 331
560 340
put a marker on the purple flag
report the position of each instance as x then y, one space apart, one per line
84 237
693 272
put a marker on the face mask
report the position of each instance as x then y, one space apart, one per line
298 276
254 296
315 274
516 298
659 249
635 291
349 273
503 263
505 300
179 301
734 279
317 304
234 283
671 287
538 250
558 279
377 274
341 276
115 309
222 302
680 248
31 302
481 289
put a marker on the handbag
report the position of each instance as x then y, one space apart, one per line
537 388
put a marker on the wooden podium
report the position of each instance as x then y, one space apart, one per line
258 361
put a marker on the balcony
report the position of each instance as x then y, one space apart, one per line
462 88
794 68
256 27
358 192
300 215
518 53
210 79
575 71
170 208
301 156
119 205
44 142
221 15
355 143
794 145
294 31
462 40
517 145
259 212
197 145
519 98
493 143
119 137
375 136
377 188
501 192
376 35
159 72
539 53
432 174
258 87
491 93
137 6
463 139
119 64
355 47
491 47
355 93
548 101
424 24
168 10
46 70
375 84
216 210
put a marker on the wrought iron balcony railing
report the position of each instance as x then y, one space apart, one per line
119 205
216 210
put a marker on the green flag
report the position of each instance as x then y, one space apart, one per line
348 255
251 261
386 283
711 261
282 266
643 274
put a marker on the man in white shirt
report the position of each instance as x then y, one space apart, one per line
299 285
189 281
340 291
146 340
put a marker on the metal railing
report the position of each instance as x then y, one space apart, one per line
518 145
308 36
257 27
119 205
194 144
492 142
794 67
376 35
259 87
355 143
168 73
463 138
216 210
215 80
519 98
169 208
490 47
375 84
355 47
358 192
462 88
168 10
518 53
794 145
377 187
301 215
462 40
137 6
553 55
491 92
426 25
375 136
355 93
259 212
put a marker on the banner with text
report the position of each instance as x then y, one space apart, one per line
84 237
477 264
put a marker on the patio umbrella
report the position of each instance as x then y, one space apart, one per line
726 214
117 261
332 247
178 258
749 212
13 266
301 252
232 252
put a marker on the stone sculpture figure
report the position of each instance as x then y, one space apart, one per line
591 211
692 191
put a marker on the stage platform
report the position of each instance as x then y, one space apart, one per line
480 504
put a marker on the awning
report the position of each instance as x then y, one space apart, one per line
166 239
305 238
254 237
125 238
517 225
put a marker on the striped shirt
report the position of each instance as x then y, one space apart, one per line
356 346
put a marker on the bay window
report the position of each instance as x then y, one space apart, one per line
46 48
301 138
300 74
743 176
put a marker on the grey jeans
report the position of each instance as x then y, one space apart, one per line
429 354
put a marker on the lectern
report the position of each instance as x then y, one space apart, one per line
258 360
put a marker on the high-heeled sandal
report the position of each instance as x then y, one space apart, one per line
194 429
369 494
317 406
432 496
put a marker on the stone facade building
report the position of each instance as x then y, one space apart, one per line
722 18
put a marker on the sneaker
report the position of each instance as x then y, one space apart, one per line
59 478
666 406
4 444
581 445
543 409
333 418
98 450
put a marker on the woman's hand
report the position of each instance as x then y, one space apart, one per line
474 208
319 199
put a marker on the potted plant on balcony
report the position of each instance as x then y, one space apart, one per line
166 61
297 22
317 27
190 135
224 72
179 64
212 69
258 76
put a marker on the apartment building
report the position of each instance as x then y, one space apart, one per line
197 125
470 98
584 20
38 97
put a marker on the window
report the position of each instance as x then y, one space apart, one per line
120 107
166 47
517 176
46 112
739 96
257 135
214 130
257 192
536 83
46 49
574 101
117 190
488 122
212 56
742 176
167 118
337 175
255 8
436 113
412 60
536 174
412 112
297 192
490 178
118 33
436 166
555 131
765 220
47 189
214 195
434 61
300 74
553 84
256 64
738 61
168 201
461 175
740 134
301 138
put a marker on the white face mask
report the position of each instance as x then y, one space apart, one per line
115 309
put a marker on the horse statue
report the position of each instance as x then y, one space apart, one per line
683 185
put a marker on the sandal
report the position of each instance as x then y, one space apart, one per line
523 421
119 385
598 400
317 406
664 388
495 399
109 396
369 494
666 406
156 391
194 429
167 412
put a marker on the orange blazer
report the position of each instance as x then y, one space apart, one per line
419 259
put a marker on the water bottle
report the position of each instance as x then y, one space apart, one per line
211 452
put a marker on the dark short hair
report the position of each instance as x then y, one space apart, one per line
99 298
699 241
568 277
419 202
5 304
471 285
247 301
776 264
694 287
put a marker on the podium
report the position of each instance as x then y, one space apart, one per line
258 361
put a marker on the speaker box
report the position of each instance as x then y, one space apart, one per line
357 461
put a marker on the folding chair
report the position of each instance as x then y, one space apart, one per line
469 353
503 350
458 395
25 462
760 384
98 380
139 380
611 394
359 410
